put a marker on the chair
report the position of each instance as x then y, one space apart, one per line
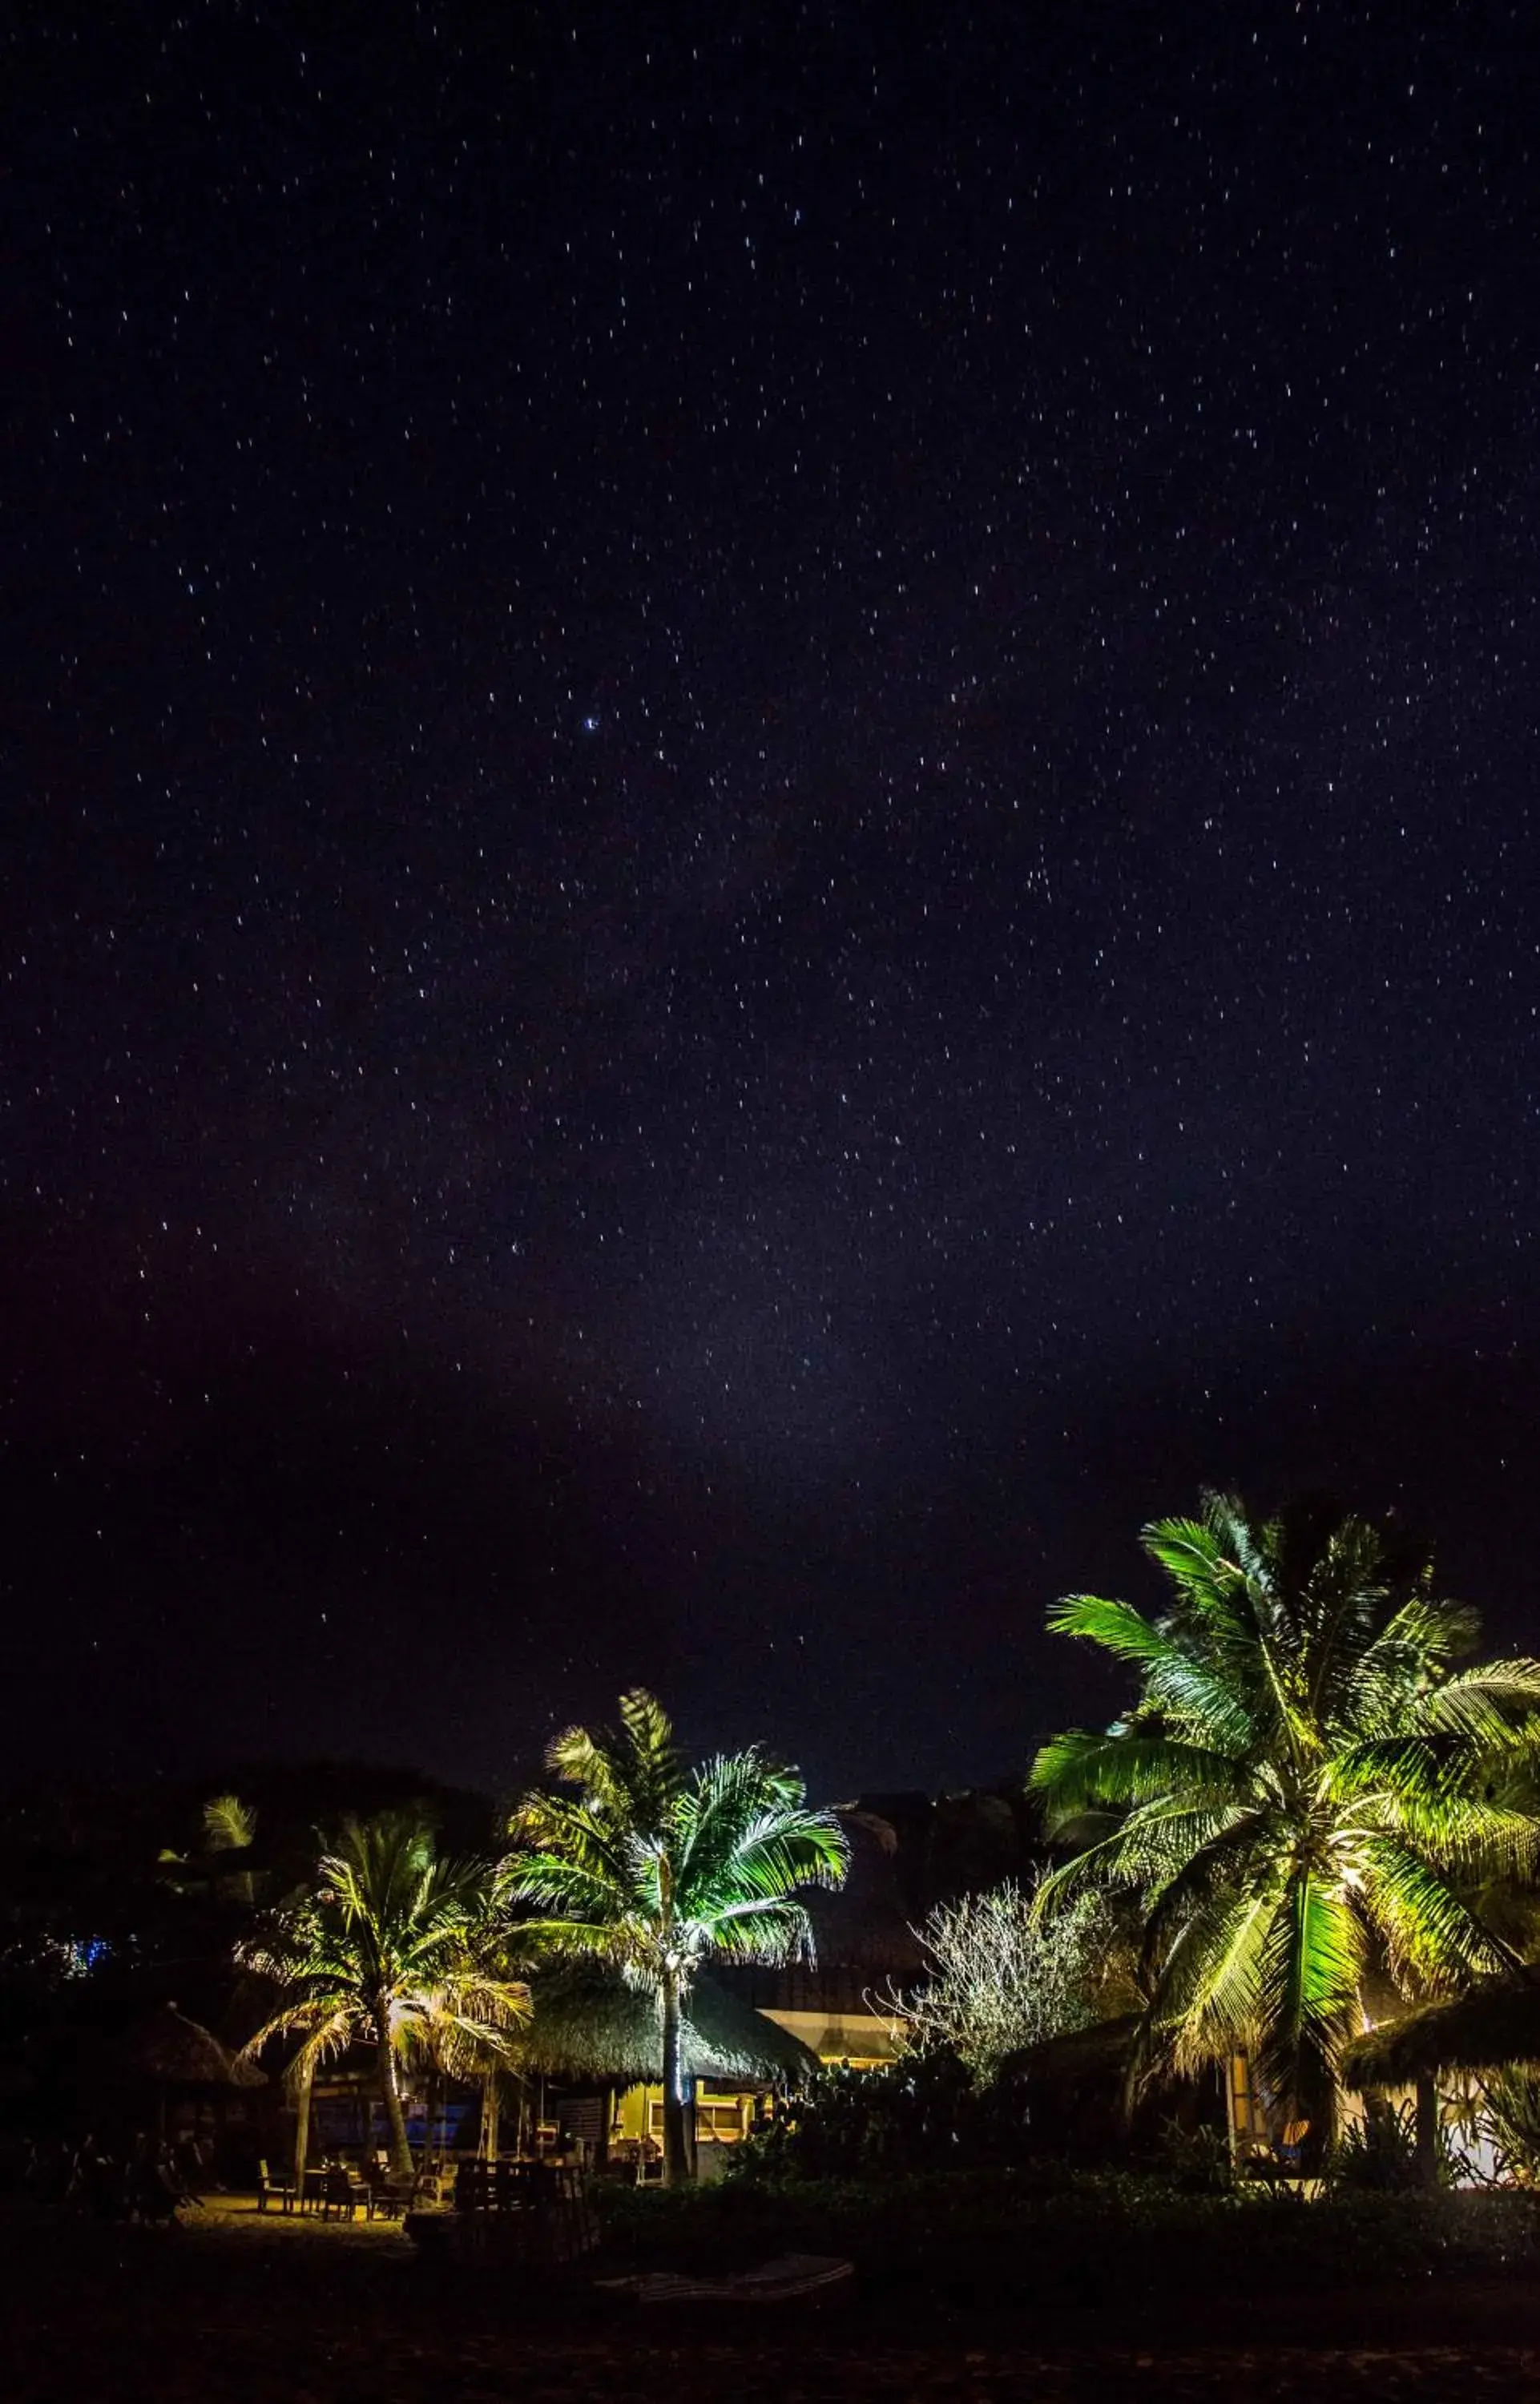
342 2193
387 2197
280 2191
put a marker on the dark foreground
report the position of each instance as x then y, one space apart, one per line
262 2313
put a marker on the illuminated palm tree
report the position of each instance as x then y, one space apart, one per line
388 1948
1308 1787
653 1867
223 1869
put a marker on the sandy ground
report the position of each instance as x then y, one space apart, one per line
254 2309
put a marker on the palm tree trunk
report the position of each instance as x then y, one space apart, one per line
491 2115
390 2094
301 2127
430 2109
676 2161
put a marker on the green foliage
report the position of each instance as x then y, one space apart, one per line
653 1867
1377 2154
1508 2115
1307 1781
230 1825
1196 2161
1046 2237
391 1946
922 2113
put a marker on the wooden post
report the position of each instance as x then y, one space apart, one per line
1427 2132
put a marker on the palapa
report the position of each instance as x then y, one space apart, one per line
176 2051
1493 2028
593 2027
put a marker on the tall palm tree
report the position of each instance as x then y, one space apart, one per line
1307 1790
653 1867
388 1948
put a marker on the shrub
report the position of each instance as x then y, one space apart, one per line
1508 2115
1046 2236
1377 2155
921 2113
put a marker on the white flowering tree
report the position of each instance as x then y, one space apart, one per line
1003 1977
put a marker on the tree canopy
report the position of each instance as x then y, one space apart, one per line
653 1867
1307 1788
392 1946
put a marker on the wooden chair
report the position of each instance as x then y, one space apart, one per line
342 2193
389 2197
282 2192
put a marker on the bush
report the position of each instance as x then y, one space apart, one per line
921 2113
927 2112
1507 2114
1377 2155
1196 2161
1046 2236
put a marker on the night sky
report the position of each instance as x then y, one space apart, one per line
766 851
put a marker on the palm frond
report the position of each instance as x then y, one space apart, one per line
1312 1967
1430 1929
387 1927
1493 1707
627 1775
1227 1855
655 1865
1197 1694
1208 1998
1141 1851
230 1825
1211 1584
1078 1771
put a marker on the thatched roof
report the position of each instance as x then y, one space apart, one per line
178 2051
1101 2051
1489 2029
593 2027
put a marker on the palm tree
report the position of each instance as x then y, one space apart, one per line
390 1948
1306 1791
653 1867
229 1829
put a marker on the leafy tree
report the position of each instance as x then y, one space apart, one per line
390 1947
653 1867
1004 1976
1308 1788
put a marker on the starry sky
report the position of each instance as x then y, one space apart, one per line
765 847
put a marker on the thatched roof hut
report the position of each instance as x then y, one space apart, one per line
1493 2028
172 2051
586 2027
